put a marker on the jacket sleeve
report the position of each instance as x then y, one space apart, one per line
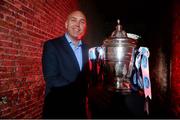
50 64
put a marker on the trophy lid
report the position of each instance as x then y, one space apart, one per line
120 38
119 32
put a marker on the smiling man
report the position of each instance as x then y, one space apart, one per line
65 65
76 26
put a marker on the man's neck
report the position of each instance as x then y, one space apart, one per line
74 40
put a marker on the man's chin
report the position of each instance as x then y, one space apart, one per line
78 37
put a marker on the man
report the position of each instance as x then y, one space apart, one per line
64 67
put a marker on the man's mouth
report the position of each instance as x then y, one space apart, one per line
76 29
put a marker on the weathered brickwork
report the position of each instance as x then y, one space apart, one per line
24 26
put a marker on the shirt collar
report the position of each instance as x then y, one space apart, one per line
70 40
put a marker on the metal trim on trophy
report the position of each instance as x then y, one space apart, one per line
121 65
115 59
119 55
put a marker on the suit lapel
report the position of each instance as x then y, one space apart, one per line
70 52
84 54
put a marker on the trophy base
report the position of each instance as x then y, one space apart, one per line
121 91
122 87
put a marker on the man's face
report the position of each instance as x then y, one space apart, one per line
76 25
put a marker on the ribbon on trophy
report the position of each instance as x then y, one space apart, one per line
142 77
95 53
92 56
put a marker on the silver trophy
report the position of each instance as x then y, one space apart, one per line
114 60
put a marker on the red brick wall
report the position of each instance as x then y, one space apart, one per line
175 63
24 26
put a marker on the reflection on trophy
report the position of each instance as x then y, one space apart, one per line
120 66
114 60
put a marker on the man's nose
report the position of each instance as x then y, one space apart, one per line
77 23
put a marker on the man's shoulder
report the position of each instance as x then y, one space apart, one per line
55 40
85 44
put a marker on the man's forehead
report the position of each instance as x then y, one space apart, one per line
77 14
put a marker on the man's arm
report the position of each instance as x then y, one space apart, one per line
50 64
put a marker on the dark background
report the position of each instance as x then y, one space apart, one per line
143 17
152 20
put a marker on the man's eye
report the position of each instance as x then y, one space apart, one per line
73 20
83 22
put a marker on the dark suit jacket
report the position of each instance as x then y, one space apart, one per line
66 85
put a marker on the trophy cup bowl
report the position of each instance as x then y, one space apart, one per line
119 54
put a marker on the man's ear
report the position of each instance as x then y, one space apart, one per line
66 24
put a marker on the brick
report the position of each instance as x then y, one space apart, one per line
6 42
19 23
24 26
7 57
4 30
5 11
10 19
7 25
25 2
1 16
7 63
